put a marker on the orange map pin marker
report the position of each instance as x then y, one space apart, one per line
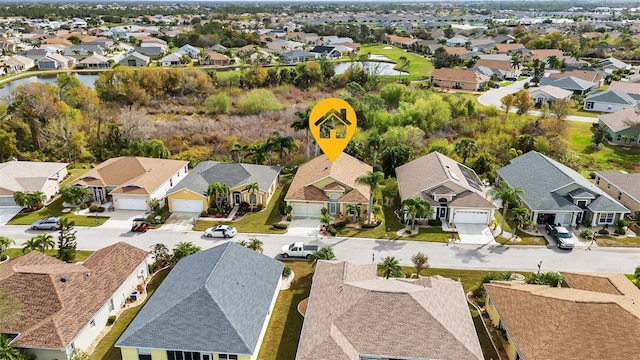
332 123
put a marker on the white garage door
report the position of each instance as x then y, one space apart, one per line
7 201
471 217
306 209
186 205
132 204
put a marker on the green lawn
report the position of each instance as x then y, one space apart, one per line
618 241
82 255
73 174
526 239
259 222
581 112
420 66
607 157
506 83
105 349
55 209
285 326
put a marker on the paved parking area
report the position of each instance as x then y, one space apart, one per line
579 241
7 214
479 234
304 227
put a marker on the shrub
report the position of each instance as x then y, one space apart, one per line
279 226
478 291
603 231
218 104
289 217
587 234
435 222
340 224
620 231
93 208
481 301
100 209
332 230
286 271
111 320
259 207
257 101
324 211
83 206
370 226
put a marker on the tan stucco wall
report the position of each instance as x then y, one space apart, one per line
129 353
448 84
509 348
187 195
625 200
158 354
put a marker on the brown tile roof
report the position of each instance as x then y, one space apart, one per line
505 48
566 323
131 175
626 87
494 64
621 120
455 50
352 312
591 76
624 181
542 54
54 312
459 75
401 39
344 171
473 200
213 55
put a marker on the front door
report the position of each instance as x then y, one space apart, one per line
333 204
237 199
99 194
442 212
579 218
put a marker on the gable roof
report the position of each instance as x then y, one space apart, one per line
624 181
504 65
230 174
95 59
612 97
129 174
553 91
568 82
217 300
626 87
345 170
621 120
586 75
504 48
136 55
54 312
537 317
27 175
348 304
540 176
544 53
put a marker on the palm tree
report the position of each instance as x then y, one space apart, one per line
258 152
508 101
74 194
282 143
554 62
240 149
516 60
22 199
466 148
375 143
8 351
519 217
37 198
423 210
325 253
409 210
303 124
184 249
255 245
40 242
371 179
5 242
355 209
391 266
252 187
244 243
30 245
506 194
215 190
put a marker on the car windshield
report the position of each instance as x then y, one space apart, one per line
564 235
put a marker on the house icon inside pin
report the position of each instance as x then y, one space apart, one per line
333 124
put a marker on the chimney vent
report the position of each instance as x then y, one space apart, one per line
64 278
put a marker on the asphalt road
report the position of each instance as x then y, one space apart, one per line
496 257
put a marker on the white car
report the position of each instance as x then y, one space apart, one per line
221 231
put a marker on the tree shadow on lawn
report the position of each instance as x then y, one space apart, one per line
293 324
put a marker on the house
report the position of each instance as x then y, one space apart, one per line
219 48
20 63
130 182
611 64
66 306
459 79
27 176
84 50
549 93
626 87
586 75
400 41
509 48
329 51
190 194
609 101
192 51
320 183
499 66
543 322
55 61
348 305
621 185
454 191
215 304
174 59
95 62
8 45
155 43
135 59
482 45
556 194
458 41
578 86
296 56
543 54
215 59
154 52
623 126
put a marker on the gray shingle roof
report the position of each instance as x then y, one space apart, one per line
231 174
569 83
214 301
603 203
612 97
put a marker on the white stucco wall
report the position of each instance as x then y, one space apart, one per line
604 107
161 191
256 351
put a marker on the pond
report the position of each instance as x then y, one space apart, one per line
380 68
5 90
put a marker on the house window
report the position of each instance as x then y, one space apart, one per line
227 357
618 137
606 218
111 306
171 182
588 105
92 323
253 199
597 180
184 355
619 195
144 354
582 204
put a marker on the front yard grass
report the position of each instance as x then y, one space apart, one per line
525 239
618 241
419 64
607 157
55 209
81 256
105 349
285 326
258 222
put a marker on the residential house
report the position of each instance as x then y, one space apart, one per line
215 58
499 66
192 51
296 56
482 45
18 63
215 304
587 75
135 59
131 182
578 86
543 54
28 176
35 54
463 52
191 193
454 191
95 62
509 48
557 194
548 94
611 64
84 50
320 183
621 185
281 46
464 79
174 59
329 51
630 88
543 322
622 126
400 41
154 43
489 72
610 101
57 41
154 52
55 61
66 306
218 48
8 45
458 41
349 303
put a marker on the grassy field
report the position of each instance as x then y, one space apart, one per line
420 67
105 349
55 209
258 222
81 256
606 157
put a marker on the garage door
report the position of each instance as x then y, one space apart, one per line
186 205
471 217
132 204
306 209
7 201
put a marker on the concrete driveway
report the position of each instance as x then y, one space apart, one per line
182 221
122 219
7 214
478 234
304 227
